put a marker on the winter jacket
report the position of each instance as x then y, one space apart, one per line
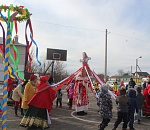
59 94
132 83
70 92
28 94
105 105
17 93
123 103
133 101
140 100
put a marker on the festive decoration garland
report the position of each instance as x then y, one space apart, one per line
24 14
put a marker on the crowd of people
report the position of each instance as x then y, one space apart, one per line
130 99
35 110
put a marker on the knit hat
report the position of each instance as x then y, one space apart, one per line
33 77
104 87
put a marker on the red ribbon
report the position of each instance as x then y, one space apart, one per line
16 27
28 23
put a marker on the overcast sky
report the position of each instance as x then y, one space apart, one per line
79 26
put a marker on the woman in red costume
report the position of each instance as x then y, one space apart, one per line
40 105
146 93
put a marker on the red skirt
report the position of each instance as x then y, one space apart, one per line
146 110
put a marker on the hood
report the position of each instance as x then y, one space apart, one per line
132 93
122 99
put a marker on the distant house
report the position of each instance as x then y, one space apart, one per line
114 78
140 75
22 50
125 78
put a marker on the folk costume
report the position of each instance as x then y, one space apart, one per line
80 97
146 108
29 91
40 105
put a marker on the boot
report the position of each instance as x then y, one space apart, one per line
69 108
99 126
102 127
22 112
16 109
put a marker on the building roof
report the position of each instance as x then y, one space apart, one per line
114 77
125 76
144 74
16 44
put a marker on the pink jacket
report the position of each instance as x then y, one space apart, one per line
70 94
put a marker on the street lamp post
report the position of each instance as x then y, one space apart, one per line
137 66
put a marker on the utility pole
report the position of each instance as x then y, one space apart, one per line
136 69
131 71
105 74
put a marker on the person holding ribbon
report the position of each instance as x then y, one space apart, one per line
29 92
40 105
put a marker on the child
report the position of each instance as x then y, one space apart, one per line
140 101
105 107
59 98
17 96
133 106
123 102
70 95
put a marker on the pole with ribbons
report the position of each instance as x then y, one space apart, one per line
6 76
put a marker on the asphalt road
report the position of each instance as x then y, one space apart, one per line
64 119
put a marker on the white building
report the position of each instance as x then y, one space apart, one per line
22 49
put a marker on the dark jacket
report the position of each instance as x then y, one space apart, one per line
123 103
59 94
132 84
140 100
133 101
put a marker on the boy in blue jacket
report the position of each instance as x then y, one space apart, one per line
133 106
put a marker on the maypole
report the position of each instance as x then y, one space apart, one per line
6 76
19 14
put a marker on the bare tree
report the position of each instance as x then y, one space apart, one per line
120 72
59 71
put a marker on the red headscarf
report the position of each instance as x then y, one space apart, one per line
44 98
32 77
43 83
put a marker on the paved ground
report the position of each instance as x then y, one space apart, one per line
63 119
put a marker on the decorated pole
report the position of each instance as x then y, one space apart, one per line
23 15
15 14
6 76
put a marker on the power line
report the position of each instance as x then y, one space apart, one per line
69 26
88 29
130 37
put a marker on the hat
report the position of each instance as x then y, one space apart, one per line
138 89
104 87
44 79
33 77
